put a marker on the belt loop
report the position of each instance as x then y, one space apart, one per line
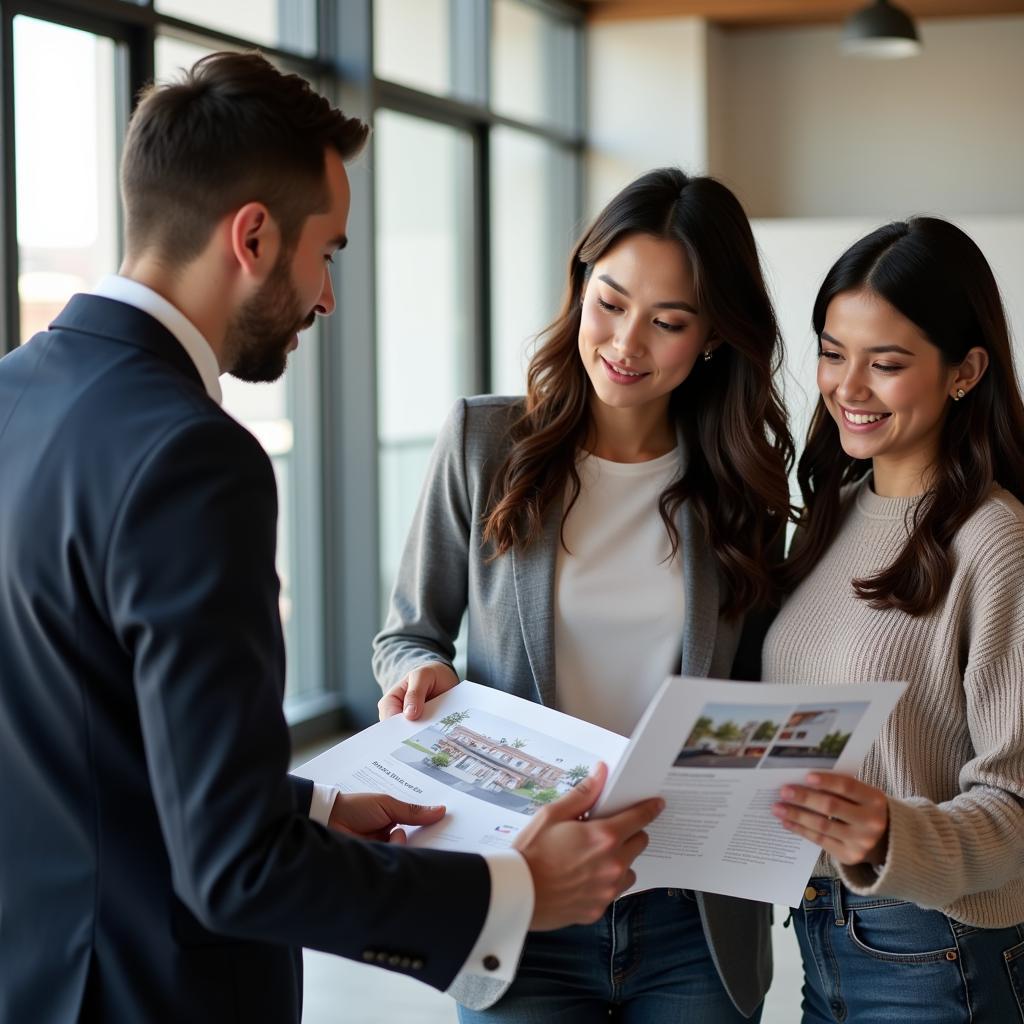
837 902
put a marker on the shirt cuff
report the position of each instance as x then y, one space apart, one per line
322 804
498 947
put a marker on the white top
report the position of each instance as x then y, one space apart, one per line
618 595
511 904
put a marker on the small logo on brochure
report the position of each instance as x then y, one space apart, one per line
505 830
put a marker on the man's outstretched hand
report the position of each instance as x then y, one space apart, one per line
579 867
375 816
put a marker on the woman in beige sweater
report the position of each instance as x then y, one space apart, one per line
909 565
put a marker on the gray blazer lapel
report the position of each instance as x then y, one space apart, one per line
700 584
533 571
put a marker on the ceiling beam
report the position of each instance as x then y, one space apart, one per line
769 12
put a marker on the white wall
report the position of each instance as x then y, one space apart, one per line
809 132
819 147
796 255
646 101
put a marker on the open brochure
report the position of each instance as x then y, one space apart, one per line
717 751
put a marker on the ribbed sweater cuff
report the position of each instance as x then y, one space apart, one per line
903 875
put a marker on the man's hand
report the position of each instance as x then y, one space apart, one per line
847 818
415 689
374 816
579 867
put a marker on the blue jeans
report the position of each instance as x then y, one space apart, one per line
645 962
870 960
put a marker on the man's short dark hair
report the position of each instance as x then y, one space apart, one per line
234 130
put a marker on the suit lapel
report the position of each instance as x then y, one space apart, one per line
533 570
109 319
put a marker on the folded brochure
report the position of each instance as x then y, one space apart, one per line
717 751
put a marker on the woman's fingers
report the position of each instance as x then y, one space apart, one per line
844 816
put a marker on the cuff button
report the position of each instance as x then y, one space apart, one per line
491 962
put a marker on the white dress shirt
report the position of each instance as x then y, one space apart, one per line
131 293
511 906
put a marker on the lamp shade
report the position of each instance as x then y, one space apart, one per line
880 30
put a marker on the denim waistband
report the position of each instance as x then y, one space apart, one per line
829 894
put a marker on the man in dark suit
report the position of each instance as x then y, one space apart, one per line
157 862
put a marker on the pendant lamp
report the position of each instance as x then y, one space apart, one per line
880 30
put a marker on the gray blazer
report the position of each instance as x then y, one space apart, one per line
445 571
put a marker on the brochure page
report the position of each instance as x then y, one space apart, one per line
721 751
492 759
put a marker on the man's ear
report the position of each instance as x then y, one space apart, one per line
255 240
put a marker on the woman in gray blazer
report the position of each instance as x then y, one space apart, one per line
619 523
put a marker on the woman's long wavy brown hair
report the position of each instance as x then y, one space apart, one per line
937 277
729 409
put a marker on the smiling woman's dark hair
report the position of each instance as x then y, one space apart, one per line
937 277
729 409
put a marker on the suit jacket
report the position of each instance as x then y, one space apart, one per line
157 862
445 570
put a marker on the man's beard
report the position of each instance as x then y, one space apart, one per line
261 331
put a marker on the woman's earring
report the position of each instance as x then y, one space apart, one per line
707 353
959 394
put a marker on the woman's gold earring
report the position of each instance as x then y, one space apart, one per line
707 354
959 394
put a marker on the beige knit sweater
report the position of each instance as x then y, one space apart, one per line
951 756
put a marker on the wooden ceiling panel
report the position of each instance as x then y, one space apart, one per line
780 12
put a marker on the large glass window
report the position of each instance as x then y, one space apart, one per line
412 43
533 221
287 24
67 223
468 269
431 45
425 349
535 65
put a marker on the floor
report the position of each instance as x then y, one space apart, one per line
345 992
339 991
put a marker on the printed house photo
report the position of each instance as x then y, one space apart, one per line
496 760
730 736
814 736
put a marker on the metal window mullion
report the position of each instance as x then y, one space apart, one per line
351 532
467 24
573 11
100 17
485 29
178 28
118 18
462 114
